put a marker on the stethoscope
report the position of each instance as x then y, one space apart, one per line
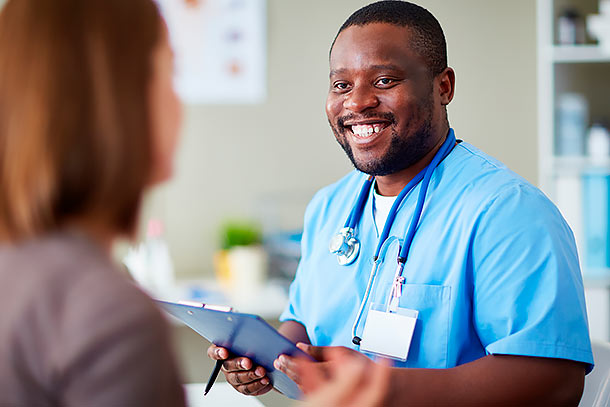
347 247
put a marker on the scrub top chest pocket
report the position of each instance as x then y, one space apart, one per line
429 344
430 338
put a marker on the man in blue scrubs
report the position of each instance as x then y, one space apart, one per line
492 270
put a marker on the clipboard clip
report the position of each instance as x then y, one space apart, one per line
221 308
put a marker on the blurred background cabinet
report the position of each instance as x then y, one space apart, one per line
573 144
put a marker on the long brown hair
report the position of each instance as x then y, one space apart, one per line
75 138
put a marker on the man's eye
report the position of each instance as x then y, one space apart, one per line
385 81
341 86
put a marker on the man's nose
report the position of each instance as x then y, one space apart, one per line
360 99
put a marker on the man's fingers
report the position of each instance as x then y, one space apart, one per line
237 364
316 352
325 353
217 353
311 375
241 373
343 388
247 377
288 366
255 388
264 390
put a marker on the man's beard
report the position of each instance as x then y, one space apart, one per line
402 153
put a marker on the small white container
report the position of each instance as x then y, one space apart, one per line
248 273
598 25
598 144
570 28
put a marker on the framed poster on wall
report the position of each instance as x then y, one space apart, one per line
220 49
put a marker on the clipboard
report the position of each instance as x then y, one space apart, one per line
243 334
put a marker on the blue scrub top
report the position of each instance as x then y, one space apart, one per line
493 268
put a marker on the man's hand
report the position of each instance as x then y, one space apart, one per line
352 381
341 377
241 373
327 358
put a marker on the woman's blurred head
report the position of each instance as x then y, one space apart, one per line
88 116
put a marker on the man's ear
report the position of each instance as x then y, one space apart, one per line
446 85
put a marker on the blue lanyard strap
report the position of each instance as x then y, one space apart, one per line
424 174
440 156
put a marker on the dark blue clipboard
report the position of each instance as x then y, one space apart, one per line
244 335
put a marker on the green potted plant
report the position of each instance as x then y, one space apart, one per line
241 263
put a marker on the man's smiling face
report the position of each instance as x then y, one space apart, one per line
380 104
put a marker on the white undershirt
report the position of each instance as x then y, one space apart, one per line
381 208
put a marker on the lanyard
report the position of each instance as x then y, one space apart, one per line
354 217
358 207
426 174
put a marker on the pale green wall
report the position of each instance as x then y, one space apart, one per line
233 159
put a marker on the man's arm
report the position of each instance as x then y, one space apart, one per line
492 380
294 331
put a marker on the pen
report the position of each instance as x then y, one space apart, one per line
213 376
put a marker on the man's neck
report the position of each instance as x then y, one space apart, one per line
392 184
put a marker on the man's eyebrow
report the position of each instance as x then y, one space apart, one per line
388 67
337 71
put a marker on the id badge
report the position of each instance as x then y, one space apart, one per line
388 334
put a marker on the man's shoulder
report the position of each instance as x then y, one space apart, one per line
348 185
474 167
335 199
486 181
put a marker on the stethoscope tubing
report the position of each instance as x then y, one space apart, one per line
363 303
358 208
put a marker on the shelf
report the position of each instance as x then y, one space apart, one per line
579 54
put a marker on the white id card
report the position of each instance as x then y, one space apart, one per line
388 334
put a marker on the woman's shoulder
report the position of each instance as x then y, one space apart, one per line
68 279
87 318
65 265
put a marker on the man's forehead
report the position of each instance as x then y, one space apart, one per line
372 67
375 46
373 33
374 40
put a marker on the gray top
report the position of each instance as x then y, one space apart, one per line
75 332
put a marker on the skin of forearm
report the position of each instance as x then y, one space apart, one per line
491 380
294 331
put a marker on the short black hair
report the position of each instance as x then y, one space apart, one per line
428 37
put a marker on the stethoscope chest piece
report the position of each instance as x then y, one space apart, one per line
345 246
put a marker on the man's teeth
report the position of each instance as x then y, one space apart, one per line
366 130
